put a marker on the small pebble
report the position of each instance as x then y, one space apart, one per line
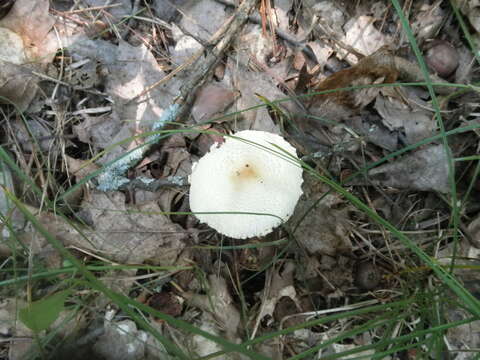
442 58
367 276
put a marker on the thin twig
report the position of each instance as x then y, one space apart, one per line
94 8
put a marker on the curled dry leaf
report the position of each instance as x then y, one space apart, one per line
417 124
373 131
375 69
98 131
321 51
34 135
323 231
382 67
428 20
279 284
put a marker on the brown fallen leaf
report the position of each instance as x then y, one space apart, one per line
424 170
32 21
17 85
363 36
114 230
258 119
166 302
382 67
80 168
375 69
211 101
202 17
131 234
34 135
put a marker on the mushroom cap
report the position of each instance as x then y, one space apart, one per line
253 175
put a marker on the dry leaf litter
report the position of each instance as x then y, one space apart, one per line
83 83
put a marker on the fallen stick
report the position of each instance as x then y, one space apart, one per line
203 62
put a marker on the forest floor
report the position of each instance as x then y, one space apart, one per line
107 105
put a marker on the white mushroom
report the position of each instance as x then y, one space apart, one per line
253 175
